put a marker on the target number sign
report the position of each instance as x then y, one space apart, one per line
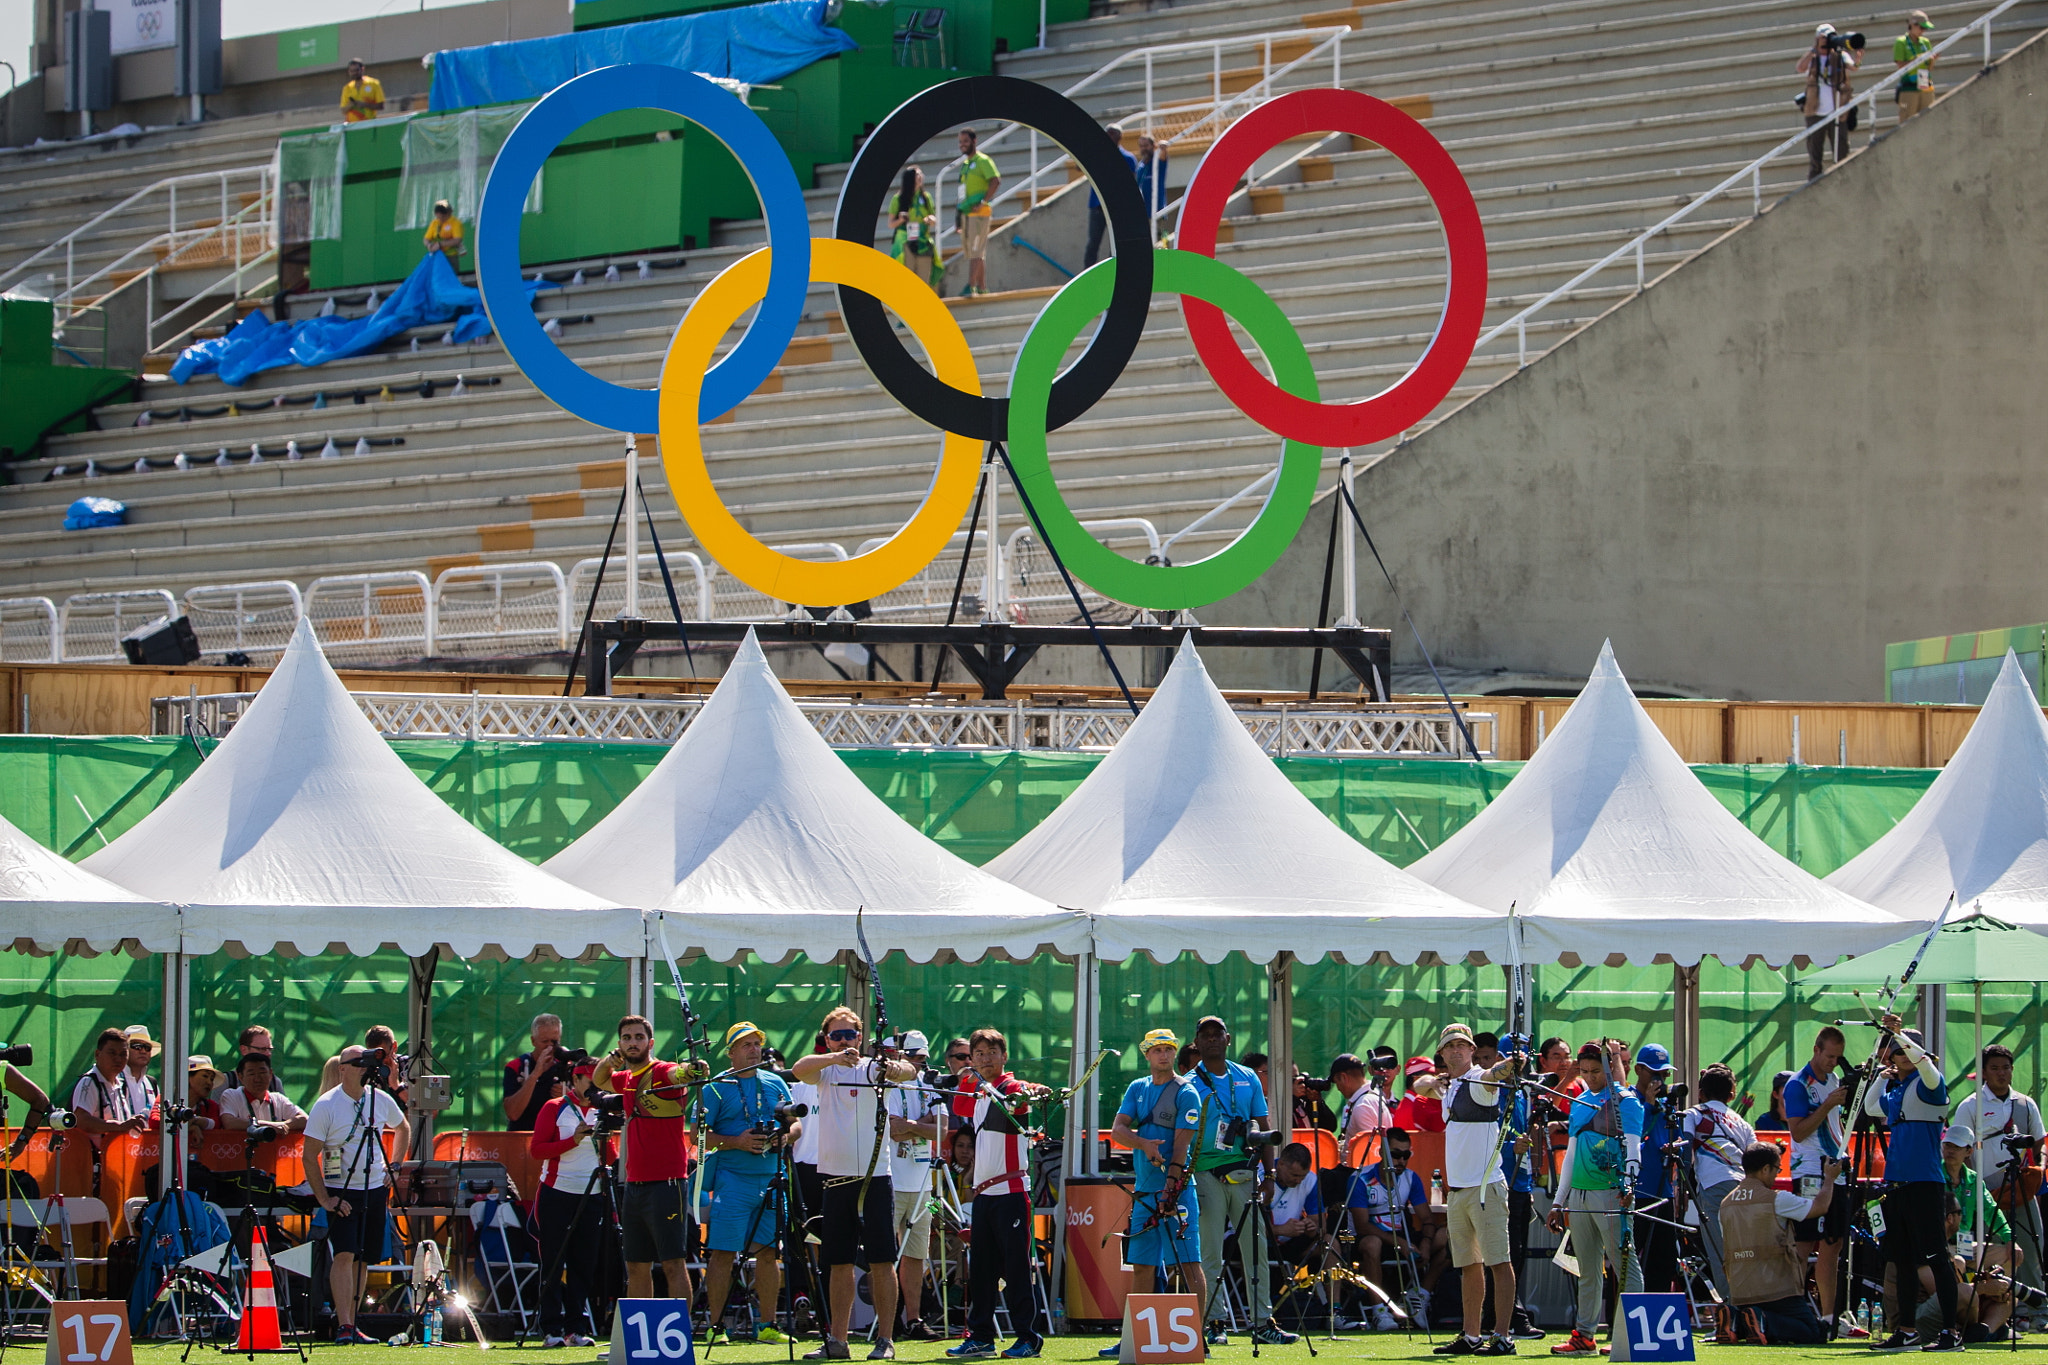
89 1332
652 1332
1162 1329
1652 1327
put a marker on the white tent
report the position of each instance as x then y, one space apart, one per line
48 904
304 829
1611 848
1187 837
1980 831
753 836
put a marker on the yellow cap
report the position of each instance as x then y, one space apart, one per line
741 1030
1159 1037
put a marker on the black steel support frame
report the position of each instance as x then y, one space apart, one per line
995 652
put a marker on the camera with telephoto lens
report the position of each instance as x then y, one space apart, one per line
563 1067
611 1112
1238 1133
60 1118
1837 41
179 1114
2018 1142
784 1118
260 1133
1315 1083
376 1071
18 1054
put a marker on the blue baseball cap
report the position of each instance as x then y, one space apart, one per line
1654 1057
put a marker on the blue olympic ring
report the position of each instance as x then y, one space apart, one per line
561 112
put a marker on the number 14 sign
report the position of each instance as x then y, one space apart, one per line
652 1332
1652 1327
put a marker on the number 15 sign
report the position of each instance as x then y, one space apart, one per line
1162 1329
652 1332
1652 1327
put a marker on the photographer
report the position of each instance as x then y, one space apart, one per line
914 1126
750 1119
18 1084
657 1140
531 1077
345 1166
1766 1271
1815 1098
1826 66
570 1210
1656 1239
2010 1125
251 1103
1230 1168
859 1216
387 1064
1719 1136
995 1106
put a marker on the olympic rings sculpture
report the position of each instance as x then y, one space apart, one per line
1042 397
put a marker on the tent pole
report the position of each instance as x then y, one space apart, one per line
419 1024
1685 1020
1978 989
176 1089
855 977
1280 1043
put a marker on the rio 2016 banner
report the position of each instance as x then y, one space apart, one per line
1042 398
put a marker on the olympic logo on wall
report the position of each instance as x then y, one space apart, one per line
694 390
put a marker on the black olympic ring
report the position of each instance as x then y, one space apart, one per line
892 144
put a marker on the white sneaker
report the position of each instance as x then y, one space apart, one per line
1383 1320
577 1339
553 1343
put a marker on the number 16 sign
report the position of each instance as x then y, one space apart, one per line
652 1332
1652 1327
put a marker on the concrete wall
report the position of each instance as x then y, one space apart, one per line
1822 434
392 45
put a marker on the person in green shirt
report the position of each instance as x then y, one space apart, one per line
979 181
1957 1144
1916 89
914 224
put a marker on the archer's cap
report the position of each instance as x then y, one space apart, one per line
1454 1033
1654 1057
1418 1066
1159 1037
741 1030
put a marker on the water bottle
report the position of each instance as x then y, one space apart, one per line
434 1325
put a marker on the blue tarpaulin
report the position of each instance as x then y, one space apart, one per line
755 44
430 294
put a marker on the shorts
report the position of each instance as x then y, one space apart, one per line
914 1223
974 234
741 1211
857 1234
1172 1240
651 1221
363 1227
1479 1232
1832 1225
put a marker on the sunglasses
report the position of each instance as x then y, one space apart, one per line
956 1056
138 1047
840 1035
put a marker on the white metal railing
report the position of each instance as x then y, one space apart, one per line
484 608
1323 728
256 619
687 569
211 189
365 617
1222 106
733 600
1026 588
28 630
90 624
1750 176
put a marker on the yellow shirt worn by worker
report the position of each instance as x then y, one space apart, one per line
445 235
368 90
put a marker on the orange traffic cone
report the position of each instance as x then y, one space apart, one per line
261 1330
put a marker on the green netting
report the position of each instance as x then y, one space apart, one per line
538 797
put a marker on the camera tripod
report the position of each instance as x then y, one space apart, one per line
18 1269
2014 1167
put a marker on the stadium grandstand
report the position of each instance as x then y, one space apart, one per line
424 501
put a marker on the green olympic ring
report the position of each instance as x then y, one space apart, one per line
1162 587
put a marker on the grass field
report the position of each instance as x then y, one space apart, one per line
1080 1350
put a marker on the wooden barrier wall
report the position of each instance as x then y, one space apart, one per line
113 699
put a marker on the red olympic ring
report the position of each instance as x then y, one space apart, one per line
1412 398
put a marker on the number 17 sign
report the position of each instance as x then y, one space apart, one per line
1652 1327
89 1332
652 1332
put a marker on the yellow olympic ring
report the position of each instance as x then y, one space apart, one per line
807 582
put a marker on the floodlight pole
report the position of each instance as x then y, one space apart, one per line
632 608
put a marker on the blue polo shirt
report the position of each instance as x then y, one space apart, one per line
1140 1103
1235 1095
1914 1152
732 1107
